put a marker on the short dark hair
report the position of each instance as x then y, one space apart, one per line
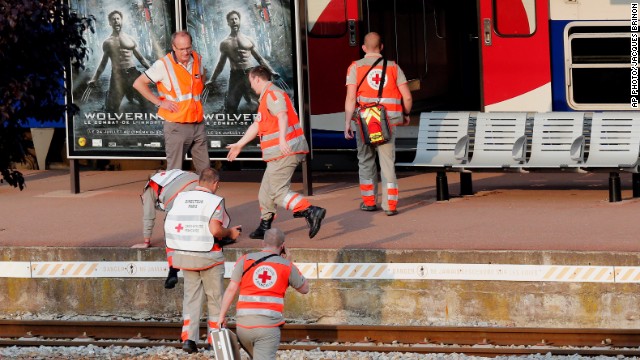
209 175
260 71
233 12
114 12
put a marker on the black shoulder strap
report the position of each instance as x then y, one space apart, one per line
384 71
258 262
367 73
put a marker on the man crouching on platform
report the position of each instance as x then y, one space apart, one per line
194 228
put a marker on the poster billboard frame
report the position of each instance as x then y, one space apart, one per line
214 154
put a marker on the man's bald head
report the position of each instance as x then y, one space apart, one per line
274 238
372 42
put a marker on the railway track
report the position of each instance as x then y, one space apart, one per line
479 341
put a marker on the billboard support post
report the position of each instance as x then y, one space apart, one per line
303 84
74 173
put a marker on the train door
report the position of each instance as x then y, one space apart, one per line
516 73
435 42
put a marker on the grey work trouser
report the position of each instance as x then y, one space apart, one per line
180 138
276 183
261 343
198 285
367 169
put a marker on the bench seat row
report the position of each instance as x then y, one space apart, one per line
515 141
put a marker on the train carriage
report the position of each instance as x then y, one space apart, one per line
474 55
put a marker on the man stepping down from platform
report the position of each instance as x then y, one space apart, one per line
283 148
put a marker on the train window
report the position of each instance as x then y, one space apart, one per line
514 17
327 19
597 59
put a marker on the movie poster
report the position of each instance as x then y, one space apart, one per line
114 119
232 36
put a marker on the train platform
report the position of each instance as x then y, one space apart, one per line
565 212
525 250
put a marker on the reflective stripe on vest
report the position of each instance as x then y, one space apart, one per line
271 145
393 106
187 224
391 96
186 89
264 299
269 131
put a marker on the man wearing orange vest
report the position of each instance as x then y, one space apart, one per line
180 79
396 97
283 147
194 227
262 279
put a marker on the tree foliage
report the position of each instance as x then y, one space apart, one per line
38 40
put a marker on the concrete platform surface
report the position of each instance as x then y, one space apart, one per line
564 212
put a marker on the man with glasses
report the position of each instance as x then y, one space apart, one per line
179 78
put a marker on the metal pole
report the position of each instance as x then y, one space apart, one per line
74 169
635 183
442 186
466 184
303 93
615 193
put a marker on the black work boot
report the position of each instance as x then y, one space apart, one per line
189 346
262 228
172 278
314 216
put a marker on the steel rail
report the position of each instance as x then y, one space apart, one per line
485 341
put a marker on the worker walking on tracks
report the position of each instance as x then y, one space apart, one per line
158 194
194 227
283 147
363 82
262 278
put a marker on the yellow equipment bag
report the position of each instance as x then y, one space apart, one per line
373 124
371 119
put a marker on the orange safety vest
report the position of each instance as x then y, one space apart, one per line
269 132
391 96
263 288
186 89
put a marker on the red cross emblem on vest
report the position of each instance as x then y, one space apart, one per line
376 78
264 277
179 227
